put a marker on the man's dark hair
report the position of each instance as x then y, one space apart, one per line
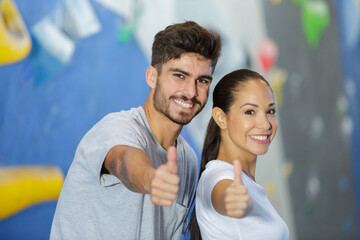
187 37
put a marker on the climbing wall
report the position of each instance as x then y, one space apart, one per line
88 58
317 125
49 100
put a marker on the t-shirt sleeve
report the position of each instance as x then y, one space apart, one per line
107 133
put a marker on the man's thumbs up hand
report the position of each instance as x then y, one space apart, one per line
165 183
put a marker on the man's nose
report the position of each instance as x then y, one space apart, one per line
190 89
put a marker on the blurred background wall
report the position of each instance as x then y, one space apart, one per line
88 58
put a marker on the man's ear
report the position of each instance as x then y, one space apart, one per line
219 117
151 76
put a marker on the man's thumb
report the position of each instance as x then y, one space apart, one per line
171 159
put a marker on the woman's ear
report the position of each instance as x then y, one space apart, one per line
151 76
219 117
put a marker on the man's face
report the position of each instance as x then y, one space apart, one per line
182 88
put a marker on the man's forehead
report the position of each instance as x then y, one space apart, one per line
190 62
193 55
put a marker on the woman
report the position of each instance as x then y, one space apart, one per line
229 203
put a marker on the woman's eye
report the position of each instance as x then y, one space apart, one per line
272 111
249 112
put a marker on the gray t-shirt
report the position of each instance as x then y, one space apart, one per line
95 206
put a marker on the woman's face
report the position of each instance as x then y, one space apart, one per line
251 121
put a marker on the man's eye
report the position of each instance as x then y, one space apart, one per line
203 81
178 75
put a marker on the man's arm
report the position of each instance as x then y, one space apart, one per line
133 167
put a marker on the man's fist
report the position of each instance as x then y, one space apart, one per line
165 183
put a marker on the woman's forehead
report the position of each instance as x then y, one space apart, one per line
254 89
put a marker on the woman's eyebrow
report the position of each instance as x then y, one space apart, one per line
272 104
255 105
250 104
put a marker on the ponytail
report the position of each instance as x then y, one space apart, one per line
211 144
210 152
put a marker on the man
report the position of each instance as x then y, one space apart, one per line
123 183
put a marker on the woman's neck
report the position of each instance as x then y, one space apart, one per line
247 160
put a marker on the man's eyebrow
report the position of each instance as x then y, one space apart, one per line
207 77
188 74
180 70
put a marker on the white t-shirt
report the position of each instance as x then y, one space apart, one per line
262 223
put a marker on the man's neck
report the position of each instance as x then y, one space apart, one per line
164 130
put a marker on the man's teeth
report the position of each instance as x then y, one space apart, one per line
260 137
183 104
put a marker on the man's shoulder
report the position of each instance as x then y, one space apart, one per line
125 121
133 116
132 113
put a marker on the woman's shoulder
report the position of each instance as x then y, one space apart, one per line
217 169
218 165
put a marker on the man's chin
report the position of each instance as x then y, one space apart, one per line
182 120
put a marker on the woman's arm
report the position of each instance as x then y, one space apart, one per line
230 197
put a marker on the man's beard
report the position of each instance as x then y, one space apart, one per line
162 105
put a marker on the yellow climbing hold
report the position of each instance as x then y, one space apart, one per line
270 188
277 80
24 186
15 41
